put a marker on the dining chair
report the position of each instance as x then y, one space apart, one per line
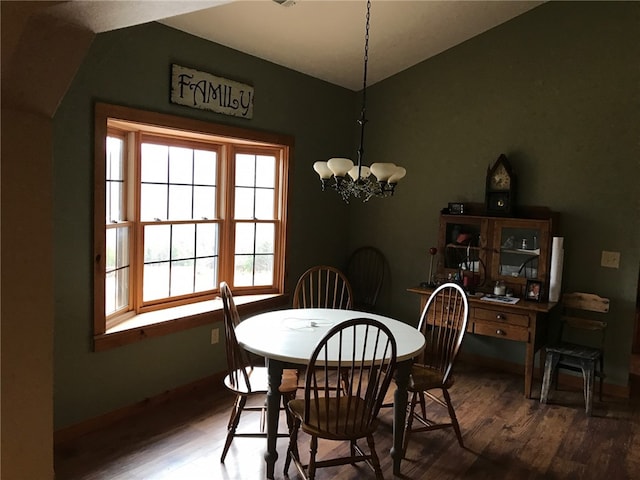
443 323
581 344
365 270
323 286
330 411
245 379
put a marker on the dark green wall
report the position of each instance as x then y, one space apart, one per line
132 67
556 89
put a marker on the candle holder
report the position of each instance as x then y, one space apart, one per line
432 252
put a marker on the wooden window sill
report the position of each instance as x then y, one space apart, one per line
171 320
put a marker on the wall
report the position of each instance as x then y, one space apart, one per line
557 90
131 67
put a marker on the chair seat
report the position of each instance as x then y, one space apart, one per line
424 377
573 350
258 377
330 419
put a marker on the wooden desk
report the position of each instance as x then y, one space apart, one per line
287 337
524 322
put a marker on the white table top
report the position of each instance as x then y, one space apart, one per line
291 335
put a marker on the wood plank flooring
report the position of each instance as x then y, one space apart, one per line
506 437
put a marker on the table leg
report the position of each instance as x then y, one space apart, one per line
528 369
399 412
273 414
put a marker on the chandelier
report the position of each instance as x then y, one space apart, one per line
357 180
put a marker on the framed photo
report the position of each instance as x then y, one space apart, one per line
533 291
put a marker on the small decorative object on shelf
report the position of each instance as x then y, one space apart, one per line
455 208
533 292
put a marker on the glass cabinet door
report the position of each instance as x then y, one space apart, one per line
521 249
463 243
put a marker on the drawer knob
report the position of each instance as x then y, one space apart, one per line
501 316
500 332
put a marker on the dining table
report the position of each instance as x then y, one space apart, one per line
286 338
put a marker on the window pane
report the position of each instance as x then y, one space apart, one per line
157 239
265 238
180 202
245 170
263 270
245 238
206 274
183 241
112 249
204 167
154 163
204 203
206 240
264 204
182 277
122 239
122 288
153 202
243 271
156 281
244 203
114 180
115 202
180 165
266 171
115 167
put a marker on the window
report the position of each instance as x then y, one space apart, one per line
179 206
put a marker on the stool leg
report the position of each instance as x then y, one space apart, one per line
587 372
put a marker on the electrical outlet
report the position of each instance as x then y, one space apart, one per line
610 259
215 336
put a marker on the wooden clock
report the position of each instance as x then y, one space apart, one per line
501 188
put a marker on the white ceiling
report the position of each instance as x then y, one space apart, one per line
321 38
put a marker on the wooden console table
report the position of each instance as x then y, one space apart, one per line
524 322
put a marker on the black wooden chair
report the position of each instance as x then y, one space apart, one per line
365 270
581 345
443 323
323 286
332 410
246 379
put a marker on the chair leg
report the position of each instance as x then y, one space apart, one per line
313 450
409 423
292 450
601 376
238 406
375 462
452 414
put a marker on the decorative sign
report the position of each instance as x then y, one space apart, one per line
207 92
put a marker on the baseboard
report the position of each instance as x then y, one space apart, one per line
97 423
564 379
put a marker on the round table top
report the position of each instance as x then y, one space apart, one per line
291 335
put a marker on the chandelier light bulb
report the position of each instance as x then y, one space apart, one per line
398 175
364 172
340 166
323 170
383 171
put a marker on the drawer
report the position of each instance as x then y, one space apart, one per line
502 330
501 316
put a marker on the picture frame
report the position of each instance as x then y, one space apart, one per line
533 291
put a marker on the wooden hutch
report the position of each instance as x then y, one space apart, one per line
479 251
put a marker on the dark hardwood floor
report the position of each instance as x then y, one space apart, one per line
506 437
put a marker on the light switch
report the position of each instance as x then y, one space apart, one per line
610 259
